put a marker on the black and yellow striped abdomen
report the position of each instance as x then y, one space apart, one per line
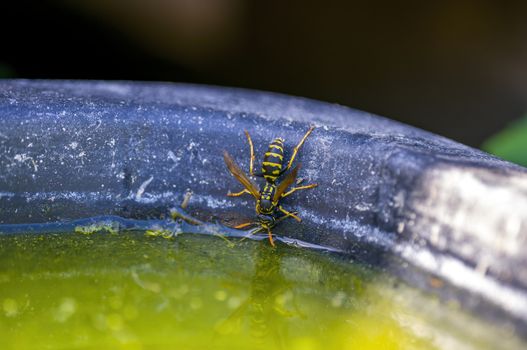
273 159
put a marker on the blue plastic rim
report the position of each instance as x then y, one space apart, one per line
388 194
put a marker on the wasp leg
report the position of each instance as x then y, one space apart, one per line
270 237
256 230
175 213
287 213
251 163
297 148
237 194
282 218
186 199
229 243
245 224
294 189
252 232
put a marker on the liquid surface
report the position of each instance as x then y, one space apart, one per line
132 291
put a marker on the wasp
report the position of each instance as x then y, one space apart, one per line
268 208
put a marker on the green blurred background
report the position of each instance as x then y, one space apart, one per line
456 68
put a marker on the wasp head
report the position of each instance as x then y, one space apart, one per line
266 206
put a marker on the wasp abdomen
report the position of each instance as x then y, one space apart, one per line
273 159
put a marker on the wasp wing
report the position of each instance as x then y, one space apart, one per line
241 176
288 180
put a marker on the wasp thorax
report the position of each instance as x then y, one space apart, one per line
266 220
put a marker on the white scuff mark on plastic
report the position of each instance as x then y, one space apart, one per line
111 143
93 196
24 157
459 274
173 158
113 160
363 207
97 124
350 226
67 195
503 205
213 202
142 188
149 198
7 194
115 88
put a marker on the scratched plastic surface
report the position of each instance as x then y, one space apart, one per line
133 291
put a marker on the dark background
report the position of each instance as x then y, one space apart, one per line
457 68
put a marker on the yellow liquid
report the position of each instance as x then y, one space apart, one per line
131 291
